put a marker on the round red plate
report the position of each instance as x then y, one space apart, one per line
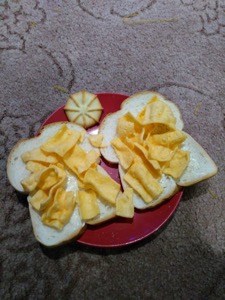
119 231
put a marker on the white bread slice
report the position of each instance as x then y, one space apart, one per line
167 182
134 105
200 167
16 169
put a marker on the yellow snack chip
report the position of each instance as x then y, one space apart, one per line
160 153
38 198
59 213
88 206
125 126
47 179
157 111
124 204
60 165
62 141
125 155
30 183
45 202
39 155
177 165
130 141
44 179
104 186
141 180
142 157
169 139
34 166
96 140
79 161
145 154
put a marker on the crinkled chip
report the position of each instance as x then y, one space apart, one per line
39 155
124 204
124 154
177 165
145 154
96 140
40 204
30 183
169 139
38 199
79 161
104 186
141 180
88 205
160 153
157 111
44 179
131 140
125 126
59 213
34 166
63 140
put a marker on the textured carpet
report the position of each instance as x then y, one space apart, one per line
174 47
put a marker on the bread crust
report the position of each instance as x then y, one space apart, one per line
201 165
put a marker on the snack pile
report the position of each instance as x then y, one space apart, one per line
148 146
66 186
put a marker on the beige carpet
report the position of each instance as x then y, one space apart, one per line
174 47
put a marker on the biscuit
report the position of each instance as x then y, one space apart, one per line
83 108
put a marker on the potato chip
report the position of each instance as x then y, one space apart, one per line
43 179
34 166
59 213
177 165
63 140
96 140
143 153
88 205
160 153
157 111
124 204
104 186
38 198
79 161
125 155
141 180
125 127
170 139
39 156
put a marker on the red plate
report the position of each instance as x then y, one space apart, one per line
119 231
